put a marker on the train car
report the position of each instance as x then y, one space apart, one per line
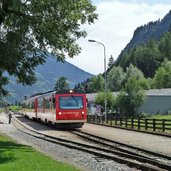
65 108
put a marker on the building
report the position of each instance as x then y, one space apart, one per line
158 101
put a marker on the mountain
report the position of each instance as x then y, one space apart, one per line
47 75
152 30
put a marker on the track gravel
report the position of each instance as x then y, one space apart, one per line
83 161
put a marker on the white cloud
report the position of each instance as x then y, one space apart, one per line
115 27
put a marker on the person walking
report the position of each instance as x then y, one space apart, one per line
10 116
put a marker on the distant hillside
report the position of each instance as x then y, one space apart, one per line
47 76
152 30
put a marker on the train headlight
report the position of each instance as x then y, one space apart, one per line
60 113
71 91
82 112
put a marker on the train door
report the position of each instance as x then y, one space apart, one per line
36 106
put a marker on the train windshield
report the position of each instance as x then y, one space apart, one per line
70 102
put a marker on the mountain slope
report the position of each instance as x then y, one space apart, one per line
47 75
152 30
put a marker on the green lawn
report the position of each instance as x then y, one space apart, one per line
160 116
17 157
1 110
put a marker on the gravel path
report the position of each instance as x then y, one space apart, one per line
155 143
82 160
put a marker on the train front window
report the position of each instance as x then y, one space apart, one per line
70 102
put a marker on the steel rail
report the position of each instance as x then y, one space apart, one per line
105 141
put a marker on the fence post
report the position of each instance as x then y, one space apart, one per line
106 118
154 124
87 118
98 119
146 124
132 122
115 120
93 118
120 121
111 118
139 123
103 119
126 122
90 118
163 125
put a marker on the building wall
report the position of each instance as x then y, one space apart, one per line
158 101
156 104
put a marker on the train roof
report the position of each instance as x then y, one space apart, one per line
66 91
69 91
38 94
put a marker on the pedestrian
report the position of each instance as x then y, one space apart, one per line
10 116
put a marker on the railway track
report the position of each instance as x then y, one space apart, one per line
106 149
125 150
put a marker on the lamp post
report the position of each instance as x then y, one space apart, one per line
105 87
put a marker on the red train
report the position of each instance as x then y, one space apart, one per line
65 108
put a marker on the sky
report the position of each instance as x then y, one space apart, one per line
115 26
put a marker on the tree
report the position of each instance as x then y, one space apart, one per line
131 98
148 58
145 56
61 84
159 78
96 84
100 99
79 86
115 79
3 82
31 29
162 78
133 71
165 45
111 61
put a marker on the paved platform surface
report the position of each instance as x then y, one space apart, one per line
147 141
4 124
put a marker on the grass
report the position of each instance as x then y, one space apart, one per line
15 108
160 116
19 157
1 110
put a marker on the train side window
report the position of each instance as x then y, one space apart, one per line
32 105
47 104
40 103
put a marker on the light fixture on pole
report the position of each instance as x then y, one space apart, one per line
105 88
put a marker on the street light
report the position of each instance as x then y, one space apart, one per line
94 41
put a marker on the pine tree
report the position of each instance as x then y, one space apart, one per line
111 61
